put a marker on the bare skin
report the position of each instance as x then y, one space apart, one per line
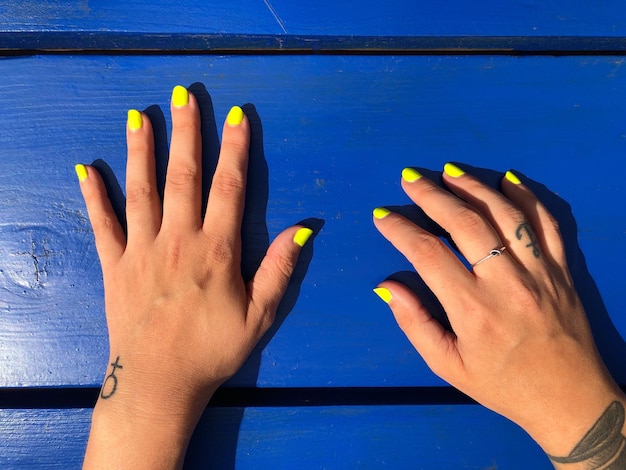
521 344
181 319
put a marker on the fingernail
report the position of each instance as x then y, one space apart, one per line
410 175
302 236
451 169
134 121
512 177
81 172
381 213
383 293
235 116
180 96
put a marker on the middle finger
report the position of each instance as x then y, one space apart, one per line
471 231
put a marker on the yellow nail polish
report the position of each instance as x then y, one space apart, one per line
235 116
81 172
512 177
451 169
180 96
302 236
410 175
383 293
381 213
135 120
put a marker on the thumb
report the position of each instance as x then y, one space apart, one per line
436 345
270 282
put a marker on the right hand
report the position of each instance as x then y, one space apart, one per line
521 344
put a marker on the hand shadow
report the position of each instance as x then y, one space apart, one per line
214 443
610 343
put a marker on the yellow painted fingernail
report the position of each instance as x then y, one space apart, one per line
81 172
235 116
512 177
134 121
180 96
302 236
383 293
410 175
451 169
381 213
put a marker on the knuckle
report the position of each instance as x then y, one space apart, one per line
425 247
235 146
283 265
103 225
227 184
514 214
469 219
139 193
526 295
139 146
183 178
185 126
221 253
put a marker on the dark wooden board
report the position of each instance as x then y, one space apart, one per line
311 437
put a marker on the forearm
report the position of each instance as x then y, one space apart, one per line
591 435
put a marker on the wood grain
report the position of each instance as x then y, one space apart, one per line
310 437
336 132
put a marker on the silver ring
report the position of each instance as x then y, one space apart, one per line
492 253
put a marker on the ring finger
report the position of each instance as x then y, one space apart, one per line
510 222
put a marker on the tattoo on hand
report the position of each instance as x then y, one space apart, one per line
110 382
524 229
604 446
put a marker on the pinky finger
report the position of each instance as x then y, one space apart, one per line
110 238
436 345
544 224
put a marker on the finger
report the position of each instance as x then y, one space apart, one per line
228 187
143 205
437 346
183 182
109 235
515 230
438 266
270 282
546 226
471 231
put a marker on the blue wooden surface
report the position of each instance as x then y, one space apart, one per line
397 437
321 17
337 131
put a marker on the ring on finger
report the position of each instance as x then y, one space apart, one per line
492 253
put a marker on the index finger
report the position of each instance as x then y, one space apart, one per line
438 266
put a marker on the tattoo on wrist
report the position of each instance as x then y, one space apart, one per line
524 230
109 386
604 446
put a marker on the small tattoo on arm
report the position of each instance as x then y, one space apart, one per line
604 446
524 229
110 382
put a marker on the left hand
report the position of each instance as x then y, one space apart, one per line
181 318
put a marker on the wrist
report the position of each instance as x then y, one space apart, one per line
563 431
144 420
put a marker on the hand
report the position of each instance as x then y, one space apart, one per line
521 344
181 319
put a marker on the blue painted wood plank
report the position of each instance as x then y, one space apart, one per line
336 133
321 18
460 437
